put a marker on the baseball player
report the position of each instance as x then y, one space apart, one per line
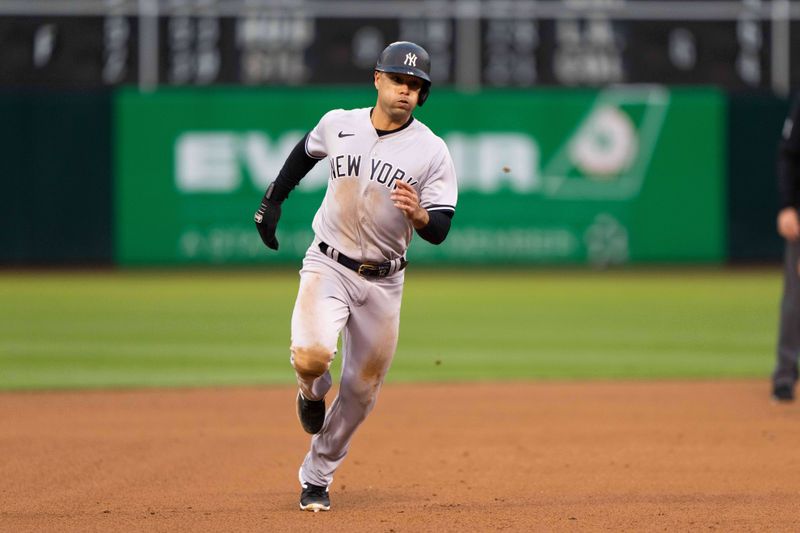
785 375
389 176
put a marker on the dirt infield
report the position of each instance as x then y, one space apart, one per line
544 456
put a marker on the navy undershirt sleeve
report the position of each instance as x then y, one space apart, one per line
438 227
297 165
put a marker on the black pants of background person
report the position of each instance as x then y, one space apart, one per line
785 375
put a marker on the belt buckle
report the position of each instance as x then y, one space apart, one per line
373 270
365 270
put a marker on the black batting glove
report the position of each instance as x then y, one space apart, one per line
266 219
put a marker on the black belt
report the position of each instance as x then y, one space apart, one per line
369 270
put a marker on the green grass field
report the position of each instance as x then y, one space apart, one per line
89 329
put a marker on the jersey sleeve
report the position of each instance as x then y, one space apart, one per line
316 142
439 191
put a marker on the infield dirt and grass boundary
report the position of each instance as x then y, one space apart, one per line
521 400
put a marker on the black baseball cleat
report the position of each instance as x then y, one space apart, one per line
311 414
314 498
783 393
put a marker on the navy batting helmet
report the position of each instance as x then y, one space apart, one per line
403 57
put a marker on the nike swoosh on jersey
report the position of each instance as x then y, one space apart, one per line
345 134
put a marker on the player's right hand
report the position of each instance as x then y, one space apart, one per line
788 224
266 219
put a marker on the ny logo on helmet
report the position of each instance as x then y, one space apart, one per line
411 60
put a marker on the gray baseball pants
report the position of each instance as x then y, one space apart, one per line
789 335
333 299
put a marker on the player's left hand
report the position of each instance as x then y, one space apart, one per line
405 199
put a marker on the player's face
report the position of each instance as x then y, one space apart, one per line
398 94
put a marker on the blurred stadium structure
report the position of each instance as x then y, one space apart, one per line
499 43
599 131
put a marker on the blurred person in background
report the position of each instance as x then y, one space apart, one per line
785 375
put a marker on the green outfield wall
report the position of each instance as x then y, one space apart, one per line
613 176
755 122
55 179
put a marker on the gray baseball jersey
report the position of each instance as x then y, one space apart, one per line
359 220
357 216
